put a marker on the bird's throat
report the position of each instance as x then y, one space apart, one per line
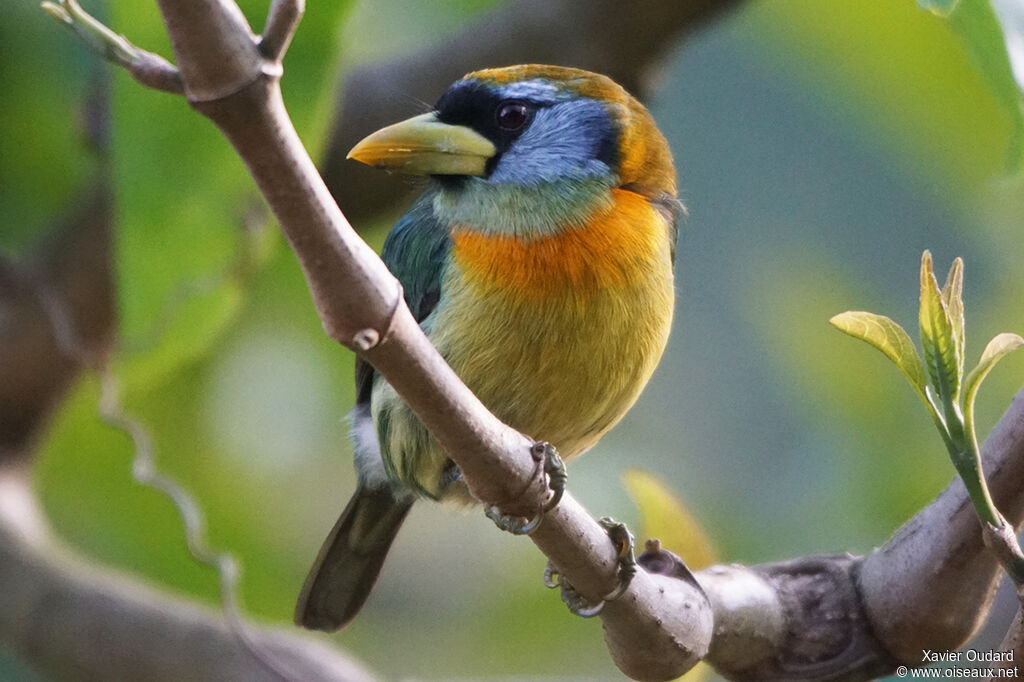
526 212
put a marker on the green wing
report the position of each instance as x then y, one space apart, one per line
415 251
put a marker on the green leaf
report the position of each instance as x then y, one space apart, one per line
999 346
953 297
942 8
978 27
938 338
888 337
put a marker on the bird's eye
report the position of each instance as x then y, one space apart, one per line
512 115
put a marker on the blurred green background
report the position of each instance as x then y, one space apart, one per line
821 146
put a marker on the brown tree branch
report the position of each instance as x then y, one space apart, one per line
360 305
74 620
930 586
1012 648
793 620
937 561
624 42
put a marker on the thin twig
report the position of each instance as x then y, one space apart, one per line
282 20
148 68
146 472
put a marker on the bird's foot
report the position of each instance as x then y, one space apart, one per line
552 468
577 604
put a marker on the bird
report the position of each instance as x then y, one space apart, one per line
538 261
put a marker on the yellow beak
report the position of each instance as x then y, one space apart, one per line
423 145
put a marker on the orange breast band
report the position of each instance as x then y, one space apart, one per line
615 248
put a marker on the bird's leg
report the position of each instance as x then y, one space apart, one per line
623 540
450 473
551 467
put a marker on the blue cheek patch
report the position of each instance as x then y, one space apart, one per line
572 139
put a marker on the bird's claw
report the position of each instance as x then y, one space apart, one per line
517 525
553 469
577 604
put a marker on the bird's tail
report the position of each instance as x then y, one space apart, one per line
350 560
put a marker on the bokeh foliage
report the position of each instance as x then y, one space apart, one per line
821 146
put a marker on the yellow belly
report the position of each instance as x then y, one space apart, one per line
557 339
559 371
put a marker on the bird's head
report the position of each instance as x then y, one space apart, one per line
528 149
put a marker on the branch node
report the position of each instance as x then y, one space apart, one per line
1002 542
365 339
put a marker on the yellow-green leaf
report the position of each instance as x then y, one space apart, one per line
888 337
953 297
999 346
938 338
665 517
